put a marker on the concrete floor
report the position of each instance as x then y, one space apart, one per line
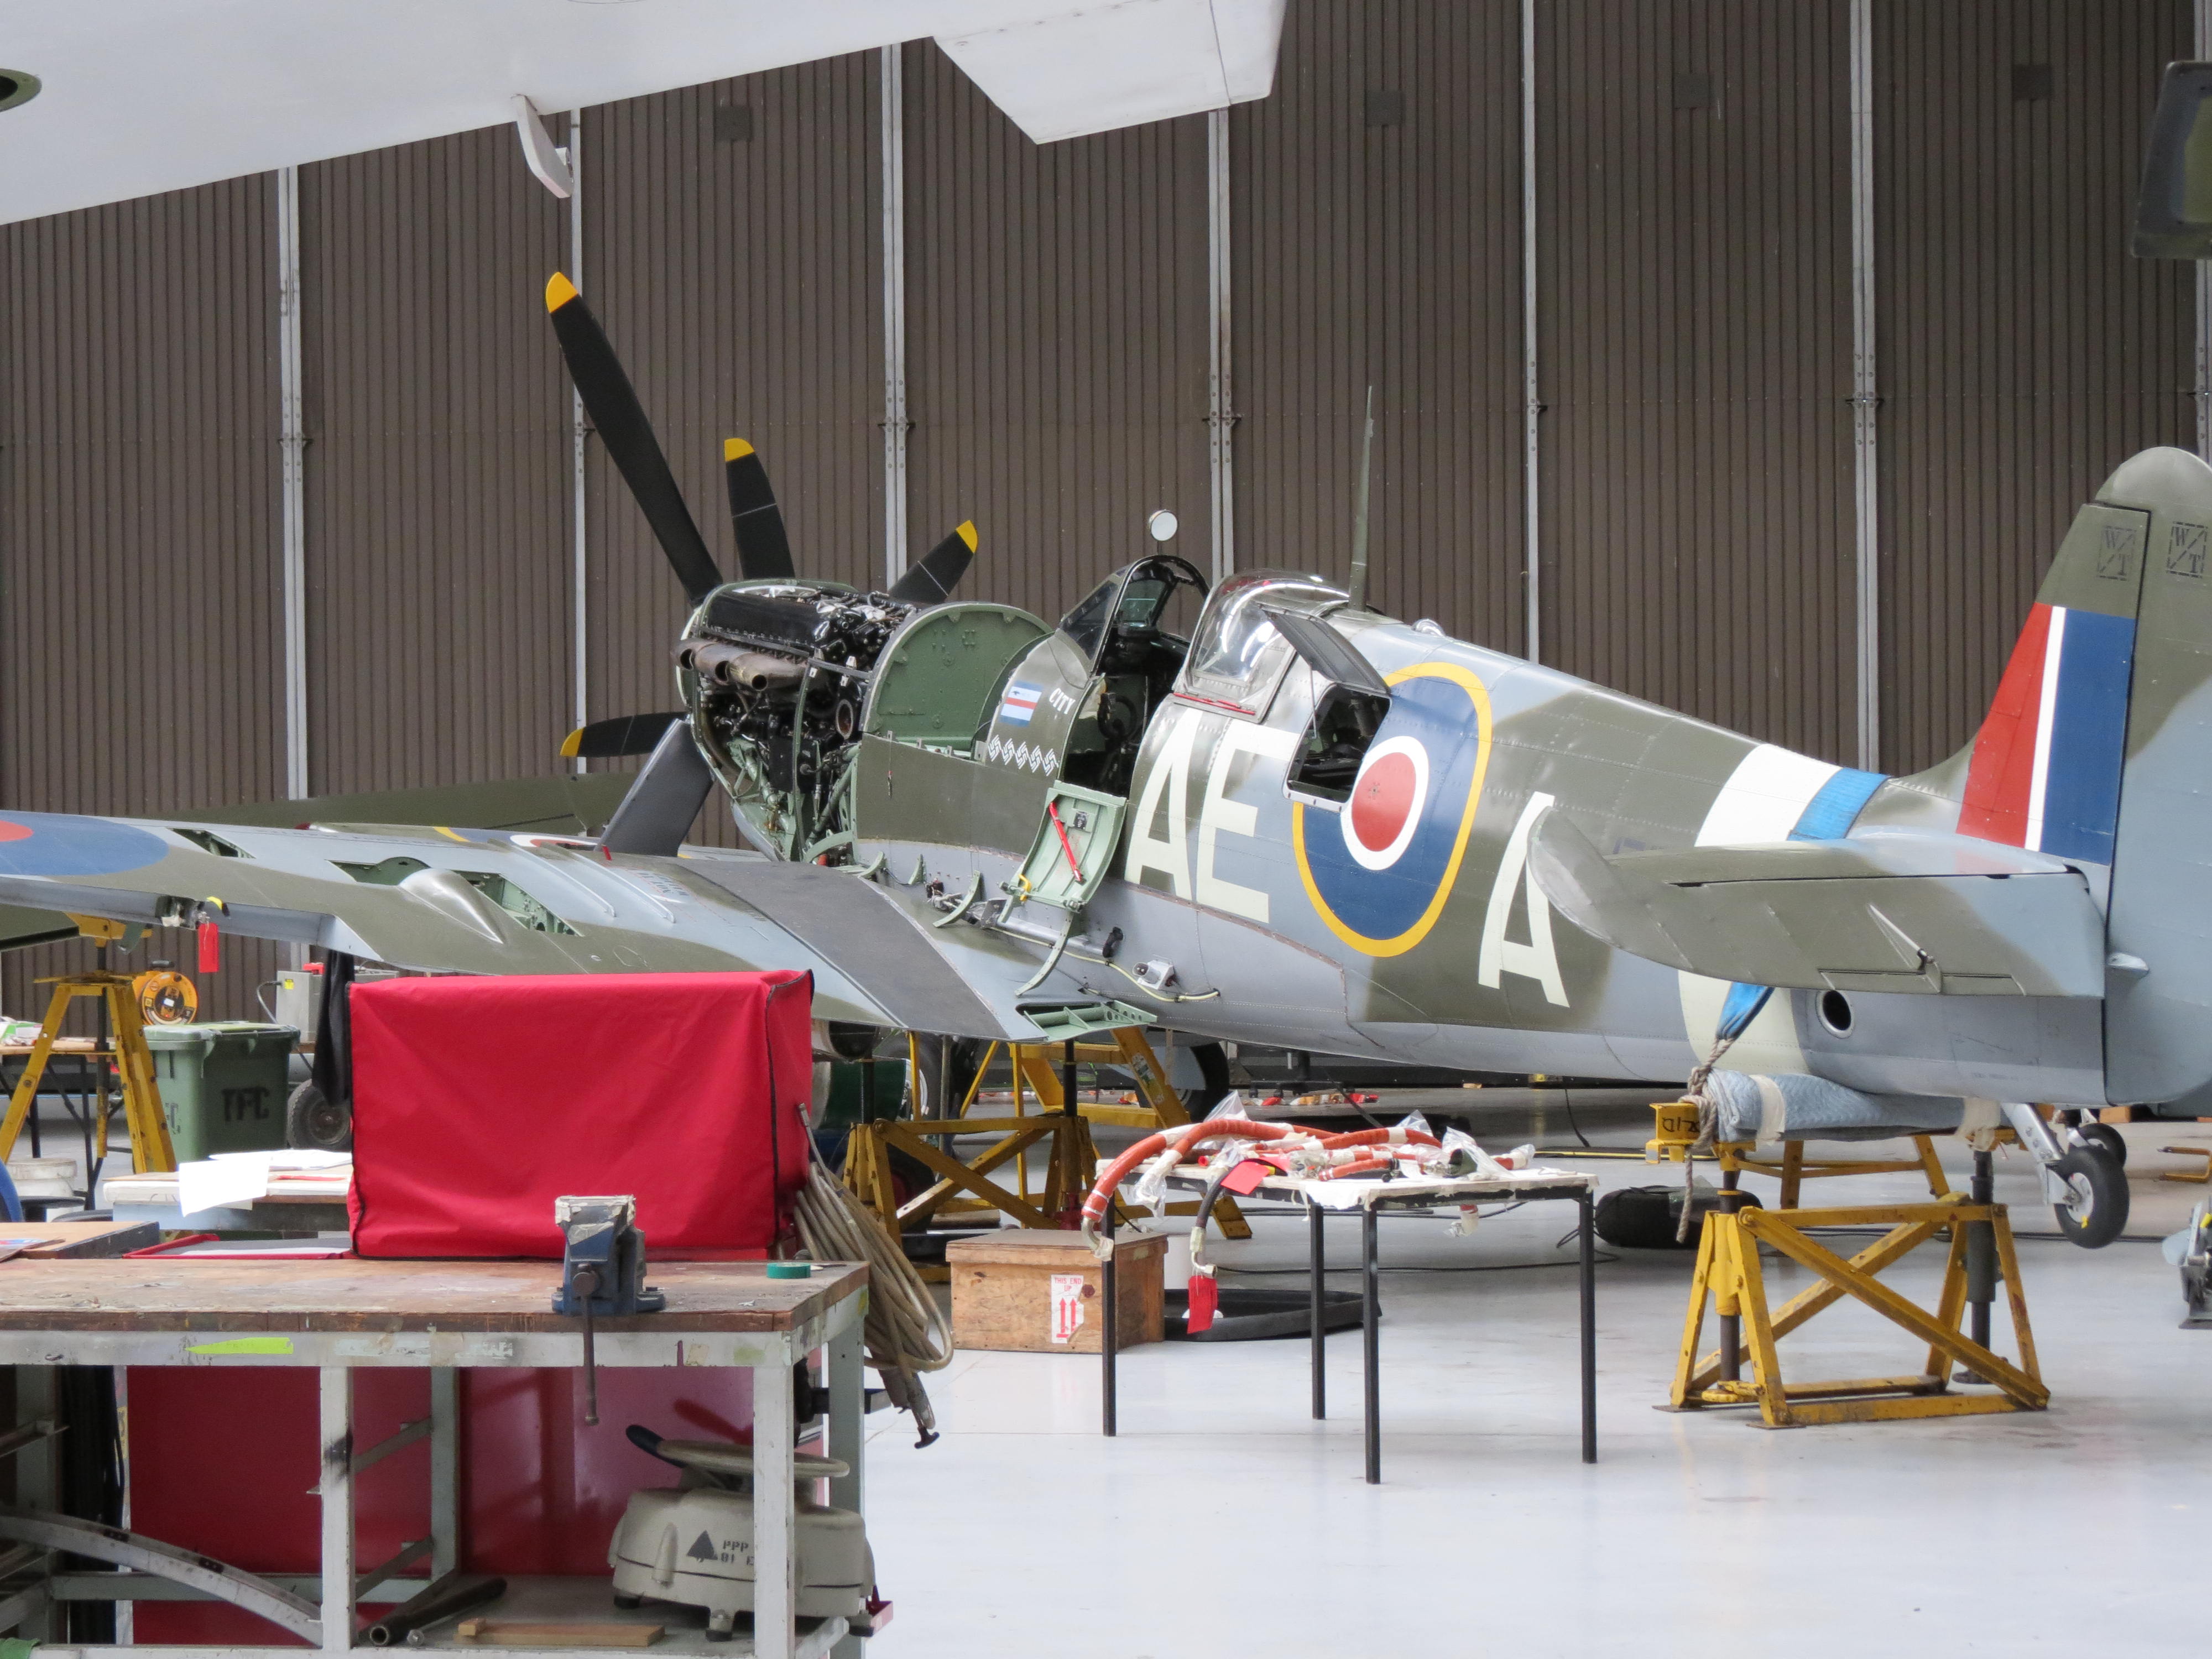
1223 1521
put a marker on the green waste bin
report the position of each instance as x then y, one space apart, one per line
848 1101
222 1085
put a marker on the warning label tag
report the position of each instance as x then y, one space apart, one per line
1066 1306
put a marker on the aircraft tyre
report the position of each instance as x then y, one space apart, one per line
313 1123
2097 1207
1213 1070
2105 1138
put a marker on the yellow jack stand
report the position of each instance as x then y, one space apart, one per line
1730 1277
1070 1167
150 1151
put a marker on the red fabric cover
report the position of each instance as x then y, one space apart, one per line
478 1101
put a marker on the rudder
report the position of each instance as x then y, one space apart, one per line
2098 749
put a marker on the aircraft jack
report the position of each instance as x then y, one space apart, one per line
1729 1277
150 1148
967 1188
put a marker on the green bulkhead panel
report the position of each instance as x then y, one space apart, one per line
1073 849
939 676
937 685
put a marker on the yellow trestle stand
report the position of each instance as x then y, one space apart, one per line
1730 1282
150 1149
1729 1279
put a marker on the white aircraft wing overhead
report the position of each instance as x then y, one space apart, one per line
137 96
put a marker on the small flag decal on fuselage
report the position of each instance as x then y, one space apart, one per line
2045 772
1020 704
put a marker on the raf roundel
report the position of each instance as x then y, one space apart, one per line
58 844
1379 875
1387 799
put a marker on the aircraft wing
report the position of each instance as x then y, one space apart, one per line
135 96
1907 913
560 805
485 901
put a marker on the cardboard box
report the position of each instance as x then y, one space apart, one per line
1021 1291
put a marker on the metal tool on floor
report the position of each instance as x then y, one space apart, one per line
123 1040
602 1273
2201 1177
692 1544
446 1596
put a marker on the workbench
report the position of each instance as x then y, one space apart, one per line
1368 1199
339 1315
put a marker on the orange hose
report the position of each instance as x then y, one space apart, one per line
1183 1138
1366 1166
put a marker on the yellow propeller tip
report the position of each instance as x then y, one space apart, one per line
572 745
967 533
735 449
559 290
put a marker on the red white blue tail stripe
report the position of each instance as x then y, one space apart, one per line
1020 702
2045 772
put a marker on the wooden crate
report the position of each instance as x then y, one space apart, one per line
1024 1291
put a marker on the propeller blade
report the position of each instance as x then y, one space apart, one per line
763 550
670 788
625 734
612 405
932 581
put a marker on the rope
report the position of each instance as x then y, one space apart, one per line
1693 1094
905 1333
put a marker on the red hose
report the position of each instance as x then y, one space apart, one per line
1183 1137
1364 1166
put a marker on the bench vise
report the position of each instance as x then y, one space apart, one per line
602 1273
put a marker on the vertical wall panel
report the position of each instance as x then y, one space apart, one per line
141 659
1693 162
1056 339
2024 355
1376 199
738 276
437 468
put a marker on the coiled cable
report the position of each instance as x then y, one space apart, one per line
905 1331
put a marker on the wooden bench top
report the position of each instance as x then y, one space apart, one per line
346 1295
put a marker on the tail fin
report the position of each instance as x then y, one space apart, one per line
2045 772
2098 749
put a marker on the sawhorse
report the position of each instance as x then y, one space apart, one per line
151 1152
1043 1069
1730 1277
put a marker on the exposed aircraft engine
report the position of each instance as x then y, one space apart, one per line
775 676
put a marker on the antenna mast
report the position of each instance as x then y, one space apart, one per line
1360 511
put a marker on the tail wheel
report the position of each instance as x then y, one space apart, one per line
2096 1204
314 1122
2107 1139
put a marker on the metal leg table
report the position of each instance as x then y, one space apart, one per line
1370 1310
1370 1303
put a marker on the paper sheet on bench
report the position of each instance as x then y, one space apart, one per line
233 1178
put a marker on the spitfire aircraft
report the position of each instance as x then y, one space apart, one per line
1291 820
